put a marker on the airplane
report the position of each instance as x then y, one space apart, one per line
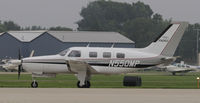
180 68
87 61
10 64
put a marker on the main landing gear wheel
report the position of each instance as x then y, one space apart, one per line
87 84
34 84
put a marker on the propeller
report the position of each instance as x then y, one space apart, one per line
19 66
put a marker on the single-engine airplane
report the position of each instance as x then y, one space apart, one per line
87 61
180 68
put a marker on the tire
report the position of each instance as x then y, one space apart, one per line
87 84
132 81
34 84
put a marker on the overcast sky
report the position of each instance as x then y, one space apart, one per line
48 13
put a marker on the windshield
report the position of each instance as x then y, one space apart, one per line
64 52
75 53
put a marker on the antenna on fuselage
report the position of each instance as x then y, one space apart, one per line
113 45
88 44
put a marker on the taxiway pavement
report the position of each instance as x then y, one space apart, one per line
91 95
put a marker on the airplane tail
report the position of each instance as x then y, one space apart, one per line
168 41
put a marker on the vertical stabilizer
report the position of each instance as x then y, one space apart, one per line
168 41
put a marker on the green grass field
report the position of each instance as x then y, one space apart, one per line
149 80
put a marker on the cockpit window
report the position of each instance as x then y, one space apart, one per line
75 53
64 52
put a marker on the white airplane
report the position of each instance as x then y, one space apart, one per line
181 68
87 61
12 64
8 65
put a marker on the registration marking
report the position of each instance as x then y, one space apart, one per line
124 63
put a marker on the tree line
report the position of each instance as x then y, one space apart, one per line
12 26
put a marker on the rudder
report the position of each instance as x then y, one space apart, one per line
168 41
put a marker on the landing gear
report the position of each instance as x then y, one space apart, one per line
86 84
83 79
34 84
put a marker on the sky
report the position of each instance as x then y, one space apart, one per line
48 13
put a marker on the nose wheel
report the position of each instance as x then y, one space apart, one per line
86 85
34 84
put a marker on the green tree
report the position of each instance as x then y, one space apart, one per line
110 16
59 28
37 28
10 25
2 28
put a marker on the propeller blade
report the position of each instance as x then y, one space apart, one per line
19 66
19 71
19 55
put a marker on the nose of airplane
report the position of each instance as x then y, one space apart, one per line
16 62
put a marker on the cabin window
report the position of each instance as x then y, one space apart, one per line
120 55
107 54
75 53
93 54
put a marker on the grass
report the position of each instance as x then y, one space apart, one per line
149 80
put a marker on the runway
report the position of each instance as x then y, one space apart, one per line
76 95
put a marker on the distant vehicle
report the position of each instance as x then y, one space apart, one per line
87 61
180 68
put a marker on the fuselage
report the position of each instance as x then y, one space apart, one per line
102 60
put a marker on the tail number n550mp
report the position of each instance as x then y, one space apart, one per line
124 63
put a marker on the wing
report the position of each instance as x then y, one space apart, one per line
77 66
81 68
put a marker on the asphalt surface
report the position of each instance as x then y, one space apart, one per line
77 95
